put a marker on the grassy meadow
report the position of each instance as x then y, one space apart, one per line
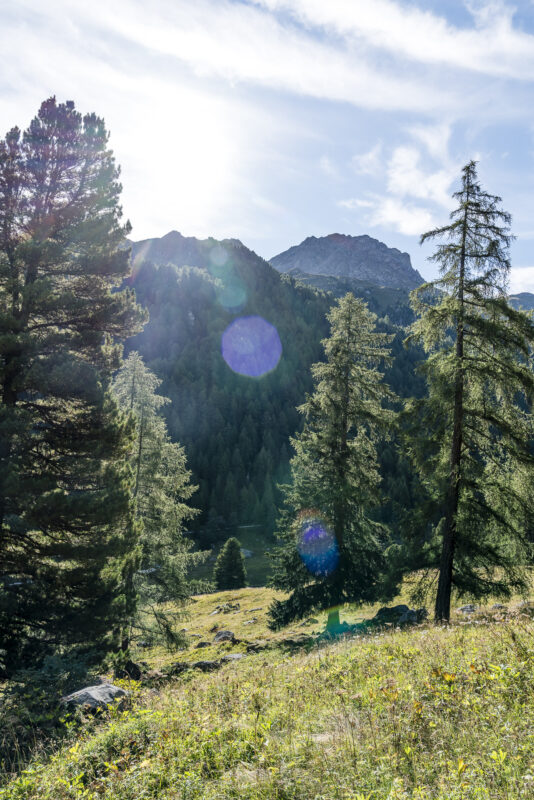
441 713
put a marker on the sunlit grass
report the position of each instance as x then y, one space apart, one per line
441 713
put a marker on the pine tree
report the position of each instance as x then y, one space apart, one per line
229 571
162 489
67 532
474 427
332 551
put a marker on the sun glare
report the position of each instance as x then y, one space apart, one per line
192 158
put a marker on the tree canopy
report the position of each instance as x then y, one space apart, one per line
472 434
331 550
67 531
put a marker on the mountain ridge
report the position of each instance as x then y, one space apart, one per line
356 257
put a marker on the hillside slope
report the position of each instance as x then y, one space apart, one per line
429 713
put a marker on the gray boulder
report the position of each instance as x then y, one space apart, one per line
224 636
95 697
408 618
399 615
467 609
202 644
206 666
232 657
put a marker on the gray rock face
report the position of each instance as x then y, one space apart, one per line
95 697
358 257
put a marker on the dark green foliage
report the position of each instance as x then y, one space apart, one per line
67 531
335 475
161 489
234 429
472 434
229 571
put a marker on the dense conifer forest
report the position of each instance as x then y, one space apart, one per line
236 430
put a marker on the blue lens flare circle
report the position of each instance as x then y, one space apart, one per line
317 546
251 346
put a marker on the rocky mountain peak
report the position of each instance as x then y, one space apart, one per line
342 255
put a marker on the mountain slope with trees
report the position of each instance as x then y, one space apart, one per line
236 429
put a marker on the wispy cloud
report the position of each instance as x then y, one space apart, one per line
493 45
370 162
406 218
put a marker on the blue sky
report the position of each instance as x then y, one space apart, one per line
273 120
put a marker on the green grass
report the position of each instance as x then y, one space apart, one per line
426 713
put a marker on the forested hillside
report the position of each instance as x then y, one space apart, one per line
236 429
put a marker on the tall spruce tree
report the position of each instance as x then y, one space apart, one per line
331 550
162 489
474 429
67 530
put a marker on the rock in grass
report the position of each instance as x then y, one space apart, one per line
224 636
206 666
467 609
390 614
232 657
256 647
202 644
96 697
399 615
129 670
177 668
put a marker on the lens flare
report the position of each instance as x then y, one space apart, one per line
317 545
231 291
251 346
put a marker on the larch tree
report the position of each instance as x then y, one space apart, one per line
473 432
67 530
162 488
331 550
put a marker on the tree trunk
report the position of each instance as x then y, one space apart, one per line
442 611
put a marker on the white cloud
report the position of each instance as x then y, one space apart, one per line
224 40
406 178
370 162
522 279
406 218
493 46
435 138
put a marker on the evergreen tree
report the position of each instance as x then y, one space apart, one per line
161 490
332 551
67 532
229 571
475 426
